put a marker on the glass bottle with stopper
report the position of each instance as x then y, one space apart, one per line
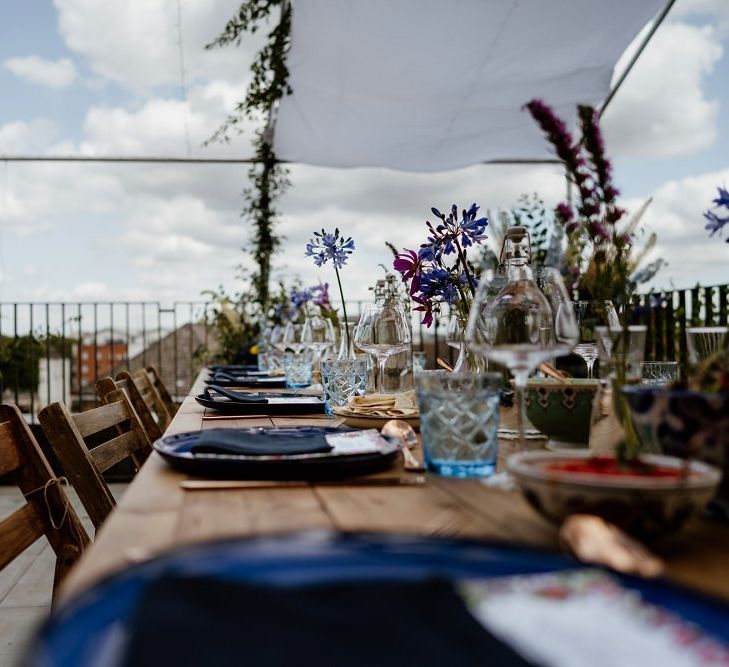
521 316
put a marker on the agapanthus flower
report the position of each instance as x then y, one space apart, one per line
300 297
434 281
445 238
715 222
325 246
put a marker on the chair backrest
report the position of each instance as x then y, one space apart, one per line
161 388
117 434
47 511
150 395
108 385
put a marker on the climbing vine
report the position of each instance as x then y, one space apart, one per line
269 83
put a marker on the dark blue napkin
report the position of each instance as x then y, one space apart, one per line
186 621
255 443
236 396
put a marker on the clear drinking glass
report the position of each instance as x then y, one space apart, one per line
342 379
520 321
298 368
589 316
383 330
616 343
419 361
459 421
659 373
704 341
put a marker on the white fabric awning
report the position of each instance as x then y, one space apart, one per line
429 85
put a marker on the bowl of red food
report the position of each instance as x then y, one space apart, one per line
650 496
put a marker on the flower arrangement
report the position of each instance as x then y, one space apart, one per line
316 295
600 261
715 223
440 271
325 247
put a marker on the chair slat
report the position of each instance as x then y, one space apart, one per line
125 381
121 433
19 531
101 418
9 455
115 450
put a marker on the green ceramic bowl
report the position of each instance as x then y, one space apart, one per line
561 410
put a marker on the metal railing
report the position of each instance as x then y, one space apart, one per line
57 351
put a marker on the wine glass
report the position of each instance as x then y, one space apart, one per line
520 323
383 330
291 339
589 316
318 334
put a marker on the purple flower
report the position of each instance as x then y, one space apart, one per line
325 246
320 296
300 297
716 223
409 264
445 237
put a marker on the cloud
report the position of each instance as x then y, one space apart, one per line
676 217
135 43
662 109
56 74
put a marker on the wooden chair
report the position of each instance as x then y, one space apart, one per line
117 433
161 388
47 511
108 385
150 395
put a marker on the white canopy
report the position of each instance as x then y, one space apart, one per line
429 85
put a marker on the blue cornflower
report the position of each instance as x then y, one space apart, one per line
325 246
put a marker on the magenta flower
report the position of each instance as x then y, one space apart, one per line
410 265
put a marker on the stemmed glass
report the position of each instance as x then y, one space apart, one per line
383 330
589 316
291 339
318 334
520 323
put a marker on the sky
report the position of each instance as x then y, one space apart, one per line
104 78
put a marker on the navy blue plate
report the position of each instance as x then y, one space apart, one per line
93 624
175 449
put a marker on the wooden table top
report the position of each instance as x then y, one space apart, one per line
156 514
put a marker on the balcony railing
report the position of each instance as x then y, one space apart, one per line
57 351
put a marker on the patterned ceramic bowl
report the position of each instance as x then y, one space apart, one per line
558 485
683 423
561 410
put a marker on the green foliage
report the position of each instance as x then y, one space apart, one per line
19 359
268 178
530 212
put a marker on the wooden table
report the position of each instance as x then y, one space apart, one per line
156 515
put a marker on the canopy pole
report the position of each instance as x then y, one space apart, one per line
636 55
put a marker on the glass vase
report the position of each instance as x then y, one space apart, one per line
346 342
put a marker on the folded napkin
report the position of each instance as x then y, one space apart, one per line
384 405
234 368
256 443
235 396
234 377
188 621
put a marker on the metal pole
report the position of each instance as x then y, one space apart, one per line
636 55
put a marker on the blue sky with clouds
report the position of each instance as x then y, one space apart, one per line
103 78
